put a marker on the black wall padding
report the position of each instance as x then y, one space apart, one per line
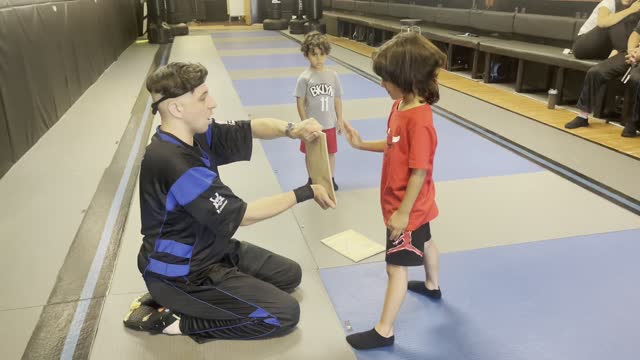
49 58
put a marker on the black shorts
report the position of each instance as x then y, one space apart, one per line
408 249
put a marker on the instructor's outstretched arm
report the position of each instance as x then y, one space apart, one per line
269 207
269 128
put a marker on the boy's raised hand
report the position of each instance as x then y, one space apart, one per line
353 137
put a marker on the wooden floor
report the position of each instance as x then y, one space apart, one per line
599 132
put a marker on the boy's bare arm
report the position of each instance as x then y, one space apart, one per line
354 139
338 108
301 111
416 180
399 221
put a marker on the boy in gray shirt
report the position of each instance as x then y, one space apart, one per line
319 94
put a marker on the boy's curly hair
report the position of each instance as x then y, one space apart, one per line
315 40
411 62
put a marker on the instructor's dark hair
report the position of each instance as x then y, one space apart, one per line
411 62
176 79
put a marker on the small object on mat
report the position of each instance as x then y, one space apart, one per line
567 51
319 168
347 325
353 245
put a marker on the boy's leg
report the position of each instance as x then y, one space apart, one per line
430 287
407 250
396 290
432 265
332 162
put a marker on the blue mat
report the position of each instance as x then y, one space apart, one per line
461 155
240 34
279 91
266 61
270 44
569 299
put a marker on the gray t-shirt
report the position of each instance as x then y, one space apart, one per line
319 89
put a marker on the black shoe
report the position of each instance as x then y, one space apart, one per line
420 288
630 130
146 318
369 340
335 186
145 299
576 123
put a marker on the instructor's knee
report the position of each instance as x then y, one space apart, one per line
292 277
288 313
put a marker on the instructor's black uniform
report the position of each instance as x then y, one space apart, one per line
221 288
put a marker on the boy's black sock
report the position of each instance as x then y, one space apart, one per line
420 288
335 186
369 340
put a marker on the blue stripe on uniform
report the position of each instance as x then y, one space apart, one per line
189 186
174 248
170 270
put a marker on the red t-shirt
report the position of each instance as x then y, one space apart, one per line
411 144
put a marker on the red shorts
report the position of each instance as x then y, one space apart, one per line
332 142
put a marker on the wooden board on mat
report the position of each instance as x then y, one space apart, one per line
353 245
319 167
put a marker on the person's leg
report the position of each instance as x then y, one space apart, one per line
396 290
267 266
332 147
407 250
228 305
595 44
429 287
632 126
332 163
594 89
432 265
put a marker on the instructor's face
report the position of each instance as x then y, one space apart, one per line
198 109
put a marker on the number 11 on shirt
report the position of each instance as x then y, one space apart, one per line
325 103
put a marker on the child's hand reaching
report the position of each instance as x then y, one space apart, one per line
397 224
341 126
353 137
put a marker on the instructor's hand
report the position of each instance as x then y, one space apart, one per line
307 130
397 224
321 197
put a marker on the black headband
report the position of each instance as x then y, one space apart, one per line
154 106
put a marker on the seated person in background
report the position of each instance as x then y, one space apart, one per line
604 29
594 89
632 126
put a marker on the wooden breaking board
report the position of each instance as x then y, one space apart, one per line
319 168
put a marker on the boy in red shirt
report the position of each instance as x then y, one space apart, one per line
408 65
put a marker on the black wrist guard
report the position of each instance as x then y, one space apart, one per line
304 193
